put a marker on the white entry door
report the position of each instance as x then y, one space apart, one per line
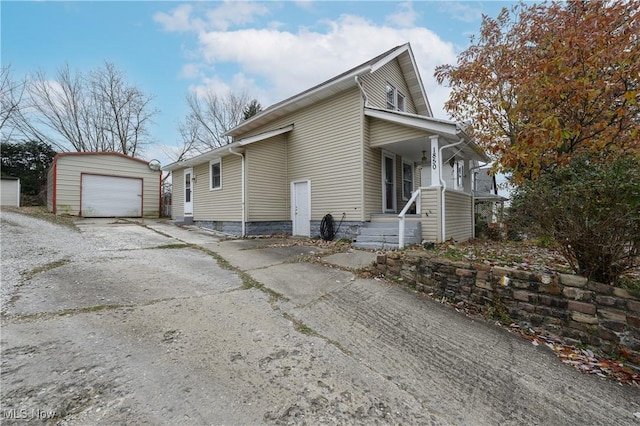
301 208
188 192
110 196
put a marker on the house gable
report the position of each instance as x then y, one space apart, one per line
375 84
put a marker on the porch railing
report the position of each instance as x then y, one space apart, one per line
415 198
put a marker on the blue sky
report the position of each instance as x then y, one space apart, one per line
271 50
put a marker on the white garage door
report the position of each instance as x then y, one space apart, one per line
111 196
10 192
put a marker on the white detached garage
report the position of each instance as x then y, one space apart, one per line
103 184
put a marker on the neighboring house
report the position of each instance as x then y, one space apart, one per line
361 146
103 184
488 203
10 191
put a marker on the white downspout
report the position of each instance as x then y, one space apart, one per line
443 184
364 94
243 191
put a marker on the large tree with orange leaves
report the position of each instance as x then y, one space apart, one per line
545 83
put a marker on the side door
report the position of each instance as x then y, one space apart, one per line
301 207
188 192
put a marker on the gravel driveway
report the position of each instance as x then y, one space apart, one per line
122 324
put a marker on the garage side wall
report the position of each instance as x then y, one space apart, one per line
68 180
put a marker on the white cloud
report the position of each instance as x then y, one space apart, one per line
190 70
222 17
179 20
461 12
290 62
271 63
235 13
405 17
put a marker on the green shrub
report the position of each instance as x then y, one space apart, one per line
591 211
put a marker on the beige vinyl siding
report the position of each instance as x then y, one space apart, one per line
325 148
68 178
224 204
385 132
458 212
177 193
375 86
430 200
267 186
417 176
379 131
372 175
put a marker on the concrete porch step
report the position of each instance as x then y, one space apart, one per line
375 245
377 235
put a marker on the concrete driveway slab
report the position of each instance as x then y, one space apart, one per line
256 253
123 278
302 283
186 234
186 343
353 259
114 234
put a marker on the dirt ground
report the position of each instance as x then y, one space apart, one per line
125 324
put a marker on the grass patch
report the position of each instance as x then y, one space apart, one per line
40 212
222 262
46 267
248 281
64 312
498 311
171 246
300 326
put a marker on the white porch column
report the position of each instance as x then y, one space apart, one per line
435 161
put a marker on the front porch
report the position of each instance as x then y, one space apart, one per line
427 167
440 214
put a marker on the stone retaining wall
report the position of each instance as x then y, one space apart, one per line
570 307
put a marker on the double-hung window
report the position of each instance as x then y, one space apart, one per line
395 99
215 174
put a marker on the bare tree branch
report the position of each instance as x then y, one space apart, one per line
96 111
210 117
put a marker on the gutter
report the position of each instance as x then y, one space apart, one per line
243 184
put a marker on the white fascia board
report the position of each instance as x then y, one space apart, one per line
441 127
265 135
384 61
424 92
202 158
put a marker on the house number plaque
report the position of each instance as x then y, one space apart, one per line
433 159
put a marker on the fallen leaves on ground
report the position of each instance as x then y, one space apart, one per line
584 360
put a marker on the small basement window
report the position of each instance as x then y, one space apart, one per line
215 172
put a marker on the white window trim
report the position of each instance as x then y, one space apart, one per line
211 163
396 96
404 101
413 178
